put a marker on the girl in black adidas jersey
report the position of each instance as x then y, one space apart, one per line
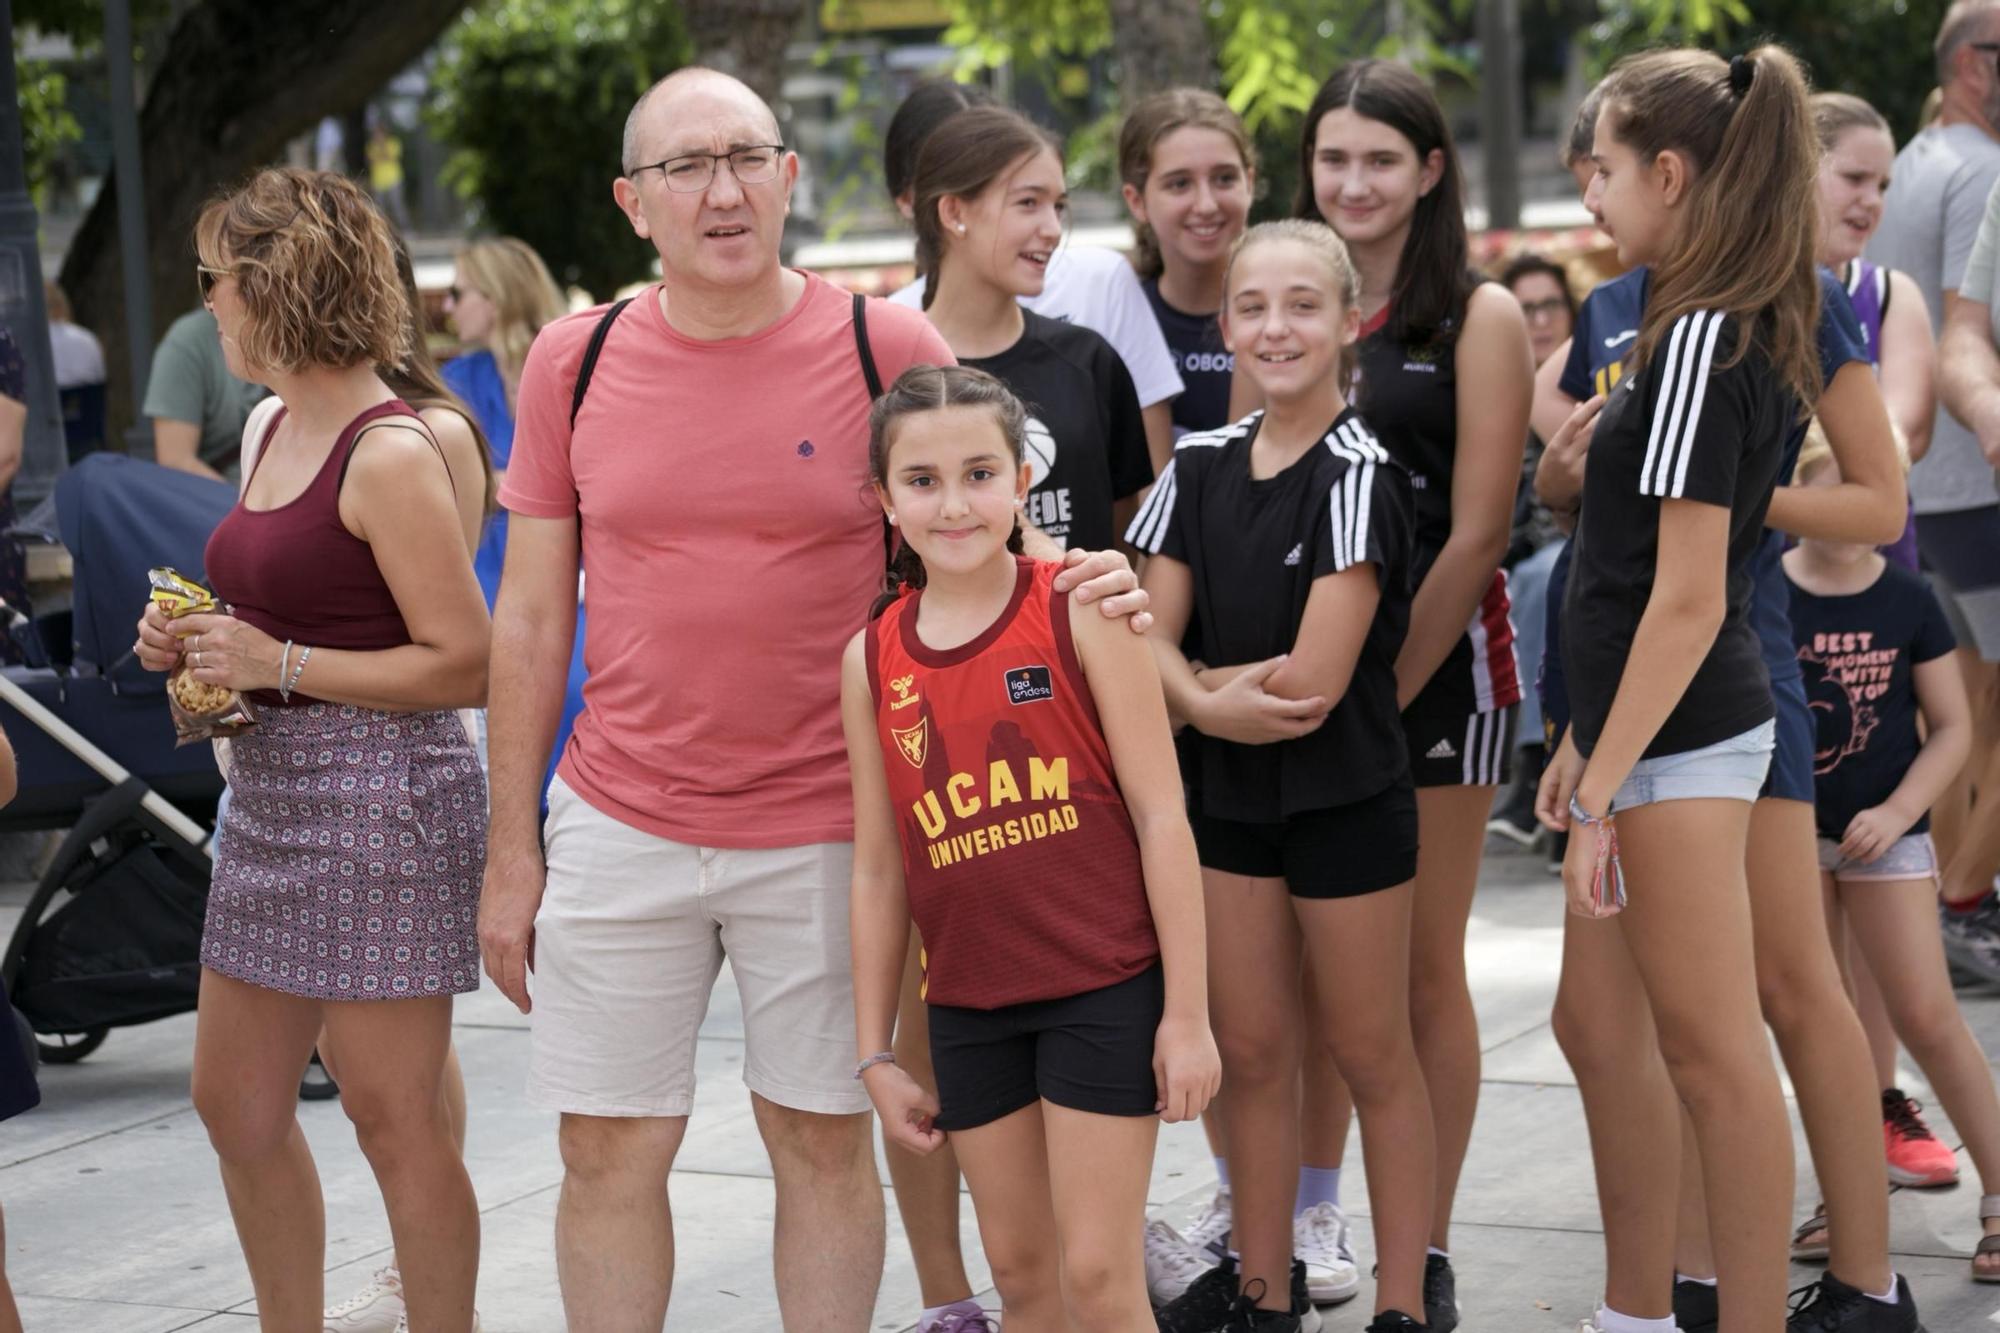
1445 380
1289 537
1704 169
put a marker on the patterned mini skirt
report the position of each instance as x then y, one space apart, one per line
349 862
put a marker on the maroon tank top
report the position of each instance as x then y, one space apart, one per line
296 572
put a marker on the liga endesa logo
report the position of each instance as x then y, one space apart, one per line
1029 684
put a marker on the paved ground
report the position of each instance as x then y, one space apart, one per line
116 1220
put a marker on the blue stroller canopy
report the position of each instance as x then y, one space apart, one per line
119 517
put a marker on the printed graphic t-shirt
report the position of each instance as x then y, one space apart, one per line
1021 861
733 548
1206 366
1255 546
1086 439
1858 653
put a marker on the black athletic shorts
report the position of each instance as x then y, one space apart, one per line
1089 1052
1453 747
1341 852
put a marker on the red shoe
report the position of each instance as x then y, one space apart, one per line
1916 1159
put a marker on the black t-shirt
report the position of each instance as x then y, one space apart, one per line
1255 546
1858 653
1086 439
1684 426
1408 390
1206 366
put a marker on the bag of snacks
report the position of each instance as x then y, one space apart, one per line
201 711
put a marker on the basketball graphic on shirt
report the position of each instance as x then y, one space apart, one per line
1041 448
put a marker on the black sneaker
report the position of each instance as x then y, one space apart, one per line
1695 1308
1394 1321
1558 849
1302 1304
1245 1317
1514 818
1831 1306
1440 1295
1204 1307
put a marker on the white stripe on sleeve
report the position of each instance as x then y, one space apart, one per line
1677 410
1148 529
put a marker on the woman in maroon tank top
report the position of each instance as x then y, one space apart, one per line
345 892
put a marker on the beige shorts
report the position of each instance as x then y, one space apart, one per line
632 931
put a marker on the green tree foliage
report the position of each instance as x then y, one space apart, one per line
531 96
46 124
1876 49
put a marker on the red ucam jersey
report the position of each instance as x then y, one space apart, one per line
1021 862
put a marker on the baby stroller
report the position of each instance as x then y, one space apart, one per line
111 934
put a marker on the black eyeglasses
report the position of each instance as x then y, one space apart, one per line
1536 311
691 173
206 278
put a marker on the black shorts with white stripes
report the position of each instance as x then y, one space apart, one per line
1459 749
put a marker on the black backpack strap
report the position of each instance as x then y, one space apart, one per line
868 371
590 354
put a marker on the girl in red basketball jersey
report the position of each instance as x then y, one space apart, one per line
1015 793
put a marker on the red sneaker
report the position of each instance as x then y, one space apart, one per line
1916 1158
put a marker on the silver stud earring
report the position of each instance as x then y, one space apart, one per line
892 520
961 229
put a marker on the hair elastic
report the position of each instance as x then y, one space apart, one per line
1742 72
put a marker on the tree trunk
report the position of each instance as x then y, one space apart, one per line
238 78
1161 44
745 38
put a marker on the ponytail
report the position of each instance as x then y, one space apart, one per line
1747 244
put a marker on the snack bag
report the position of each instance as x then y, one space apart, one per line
201 711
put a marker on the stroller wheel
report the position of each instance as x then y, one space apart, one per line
317 1085
66 1048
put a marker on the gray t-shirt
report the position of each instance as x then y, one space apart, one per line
1937 199
191 382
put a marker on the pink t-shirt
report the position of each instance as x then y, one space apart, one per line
733 545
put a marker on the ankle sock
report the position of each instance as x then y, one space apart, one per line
1222 1174
1889 1297
1700 1281
1610 1321
1442 1254
966 1306
1317 1185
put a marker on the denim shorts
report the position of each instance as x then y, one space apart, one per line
1729 770
1912 856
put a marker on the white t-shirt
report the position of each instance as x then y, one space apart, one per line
1096 287
78 356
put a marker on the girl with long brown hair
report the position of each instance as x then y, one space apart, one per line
1445 381
1703 169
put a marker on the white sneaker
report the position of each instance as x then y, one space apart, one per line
1210 1228
403 1322
1587 1327
376 1308
1171 1263
1321 1240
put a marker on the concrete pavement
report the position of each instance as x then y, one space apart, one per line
116 1221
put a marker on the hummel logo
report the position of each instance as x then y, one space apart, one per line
1296 554
1442 750
1626 336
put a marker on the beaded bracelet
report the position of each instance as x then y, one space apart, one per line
305 656
1607 879
879 1058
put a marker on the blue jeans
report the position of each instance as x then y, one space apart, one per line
1528 589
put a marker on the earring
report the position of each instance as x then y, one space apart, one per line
961 229
892 520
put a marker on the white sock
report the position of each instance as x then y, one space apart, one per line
1888 1297
1703 1281
1442 1254
1610 1321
